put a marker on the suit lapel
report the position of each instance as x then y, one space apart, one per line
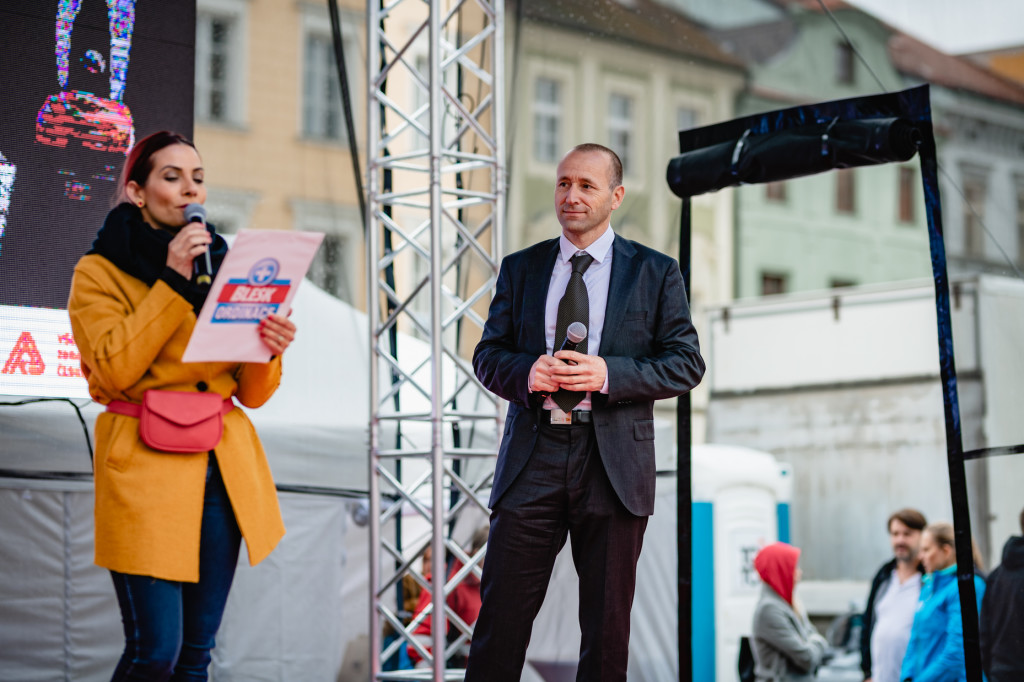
535 297
625 269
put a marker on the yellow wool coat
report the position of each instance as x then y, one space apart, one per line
149 504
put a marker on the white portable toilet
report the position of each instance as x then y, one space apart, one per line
740 503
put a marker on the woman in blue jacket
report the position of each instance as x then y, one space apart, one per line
936 649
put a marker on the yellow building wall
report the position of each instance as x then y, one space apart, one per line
267 155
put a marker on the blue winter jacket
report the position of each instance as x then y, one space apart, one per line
936 649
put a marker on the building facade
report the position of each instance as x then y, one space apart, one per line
854 409
629 76
867 225
271 130
835 229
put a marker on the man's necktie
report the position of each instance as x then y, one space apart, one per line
574 307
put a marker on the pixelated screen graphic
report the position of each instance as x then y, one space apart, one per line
81 81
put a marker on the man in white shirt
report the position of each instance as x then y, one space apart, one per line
577 456
893 600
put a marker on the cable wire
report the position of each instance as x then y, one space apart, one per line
78 411
339 55
852 46
510 116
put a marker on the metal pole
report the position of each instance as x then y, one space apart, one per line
684 490
424 226
373 124
439 626
951 410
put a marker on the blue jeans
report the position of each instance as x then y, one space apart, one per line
169 626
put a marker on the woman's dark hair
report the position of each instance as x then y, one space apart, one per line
139 163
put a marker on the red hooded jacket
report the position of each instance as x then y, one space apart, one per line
776 564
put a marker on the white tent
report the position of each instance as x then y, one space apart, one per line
303 614
292 617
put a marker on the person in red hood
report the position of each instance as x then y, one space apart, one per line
786 646
464 600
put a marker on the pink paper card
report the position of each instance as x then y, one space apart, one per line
260 275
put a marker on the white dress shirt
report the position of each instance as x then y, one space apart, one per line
597 278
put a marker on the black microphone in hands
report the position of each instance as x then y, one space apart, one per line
202 267
576 332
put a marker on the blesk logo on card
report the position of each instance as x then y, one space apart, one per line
250 300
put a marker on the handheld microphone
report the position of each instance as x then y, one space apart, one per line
202 266
576 332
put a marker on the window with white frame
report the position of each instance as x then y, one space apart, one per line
322 116
689 109
335 267
230 209
548 113
421 100
686 118
975 189
845 63
327 270
322 113
621 129
219 61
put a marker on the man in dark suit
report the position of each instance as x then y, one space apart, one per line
579 463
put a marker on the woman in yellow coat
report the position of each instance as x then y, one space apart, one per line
168 526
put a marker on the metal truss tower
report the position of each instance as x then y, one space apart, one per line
436 202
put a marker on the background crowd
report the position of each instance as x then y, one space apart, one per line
912 629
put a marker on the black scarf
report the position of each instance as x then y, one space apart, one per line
130 243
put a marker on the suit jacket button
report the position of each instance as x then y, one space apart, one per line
534 428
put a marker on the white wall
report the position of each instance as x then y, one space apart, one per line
846 388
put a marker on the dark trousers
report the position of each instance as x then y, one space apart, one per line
563 490
169 626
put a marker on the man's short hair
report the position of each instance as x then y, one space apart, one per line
911 518
616 176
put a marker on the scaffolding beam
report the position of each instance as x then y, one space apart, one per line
435 211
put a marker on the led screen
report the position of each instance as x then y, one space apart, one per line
81 81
